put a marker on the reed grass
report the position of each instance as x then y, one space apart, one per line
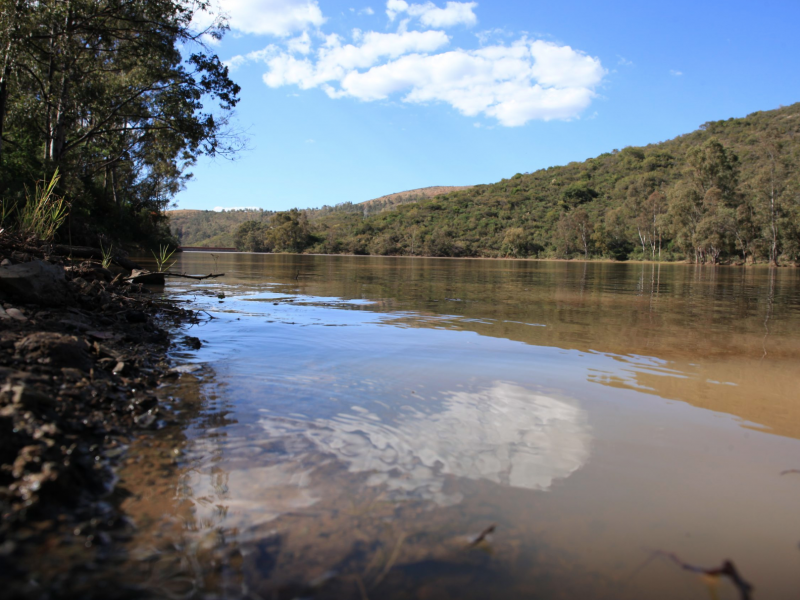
44 212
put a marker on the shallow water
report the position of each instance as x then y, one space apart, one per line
355 422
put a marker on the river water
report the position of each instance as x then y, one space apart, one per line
352 424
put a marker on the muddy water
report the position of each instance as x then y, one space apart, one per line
354 423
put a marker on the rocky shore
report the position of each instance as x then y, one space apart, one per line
82 351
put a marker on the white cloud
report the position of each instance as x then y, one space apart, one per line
429 15
366 11
335 59
280 18
300 44
624 62
514 84
675 73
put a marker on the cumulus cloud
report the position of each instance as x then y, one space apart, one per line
526 80
512 82
280 18
429 15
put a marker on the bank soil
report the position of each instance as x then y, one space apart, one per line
82 352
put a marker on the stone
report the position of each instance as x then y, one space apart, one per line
26 397
135 316
55 349
16 314
35 282
121 369
192 342
145 420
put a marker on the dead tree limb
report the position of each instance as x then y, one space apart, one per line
728 569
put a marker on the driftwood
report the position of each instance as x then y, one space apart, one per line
146 278
197 277
157 277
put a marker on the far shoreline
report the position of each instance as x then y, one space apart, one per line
509 258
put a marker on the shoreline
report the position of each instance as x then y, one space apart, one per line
511 258
82 353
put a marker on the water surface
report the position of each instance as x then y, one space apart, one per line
355 422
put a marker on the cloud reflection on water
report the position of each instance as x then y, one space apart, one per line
505 434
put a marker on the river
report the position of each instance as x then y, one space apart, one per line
351 425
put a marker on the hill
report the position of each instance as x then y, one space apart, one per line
212 228
728 191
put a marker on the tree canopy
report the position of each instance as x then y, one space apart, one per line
121 96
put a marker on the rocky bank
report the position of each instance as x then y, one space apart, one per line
82 351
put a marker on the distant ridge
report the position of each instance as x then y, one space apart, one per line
391 200
201 228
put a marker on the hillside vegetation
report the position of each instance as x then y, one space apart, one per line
211 228
728 191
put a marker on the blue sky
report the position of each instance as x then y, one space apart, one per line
348 101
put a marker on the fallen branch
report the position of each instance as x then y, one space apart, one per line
728 569
197 277
482 536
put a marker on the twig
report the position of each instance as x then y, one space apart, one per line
391 561
361 588
787 471
482 536
197 277
728 569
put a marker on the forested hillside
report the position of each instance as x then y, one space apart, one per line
211 228
729 191
217 228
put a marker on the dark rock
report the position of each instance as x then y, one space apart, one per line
135 316
35 282
146 420
55 349
26 397
192 342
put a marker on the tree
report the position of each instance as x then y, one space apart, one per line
288 231
770 190
113 93
575 232
250 236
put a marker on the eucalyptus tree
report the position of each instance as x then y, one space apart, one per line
113 93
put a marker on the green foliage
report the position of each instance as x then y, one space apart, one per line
284 232
115 96
162 258
729 191
107 254
250 236
210 228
